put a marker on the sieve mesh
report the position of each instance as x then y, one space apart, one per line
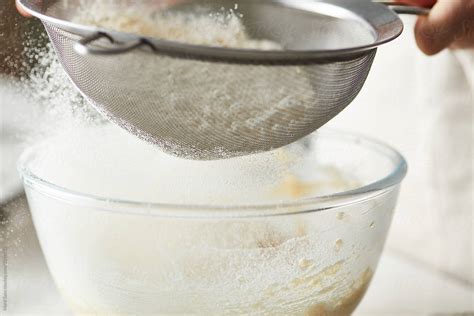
211 109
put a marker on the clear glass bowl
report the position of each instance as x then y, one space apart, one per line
313 255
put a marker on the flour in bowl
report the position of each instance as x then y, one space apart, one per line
124 258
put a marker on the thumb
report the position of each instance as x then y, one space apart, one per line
439 29
20 9
419 3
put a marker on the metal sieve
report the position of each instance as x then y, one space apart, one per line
211 102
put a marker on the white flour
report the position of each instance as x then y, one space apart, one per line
223 29
96 160
59 107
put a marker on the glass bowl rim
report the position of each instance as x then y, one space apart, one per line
305 205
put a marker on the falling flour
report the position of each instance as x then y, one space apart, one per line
95 160
58 106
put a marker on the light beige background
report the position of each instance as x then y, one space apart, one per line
423 106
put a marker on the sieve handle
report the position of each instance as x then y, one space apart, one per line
83 47
402 8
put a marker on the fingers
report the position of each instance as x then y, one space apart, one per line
420 3
20 9
444 25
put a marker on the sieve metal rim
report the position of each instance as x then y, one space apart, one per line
384 22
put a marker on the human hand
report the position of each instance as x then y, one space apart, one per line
20 9
450 24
